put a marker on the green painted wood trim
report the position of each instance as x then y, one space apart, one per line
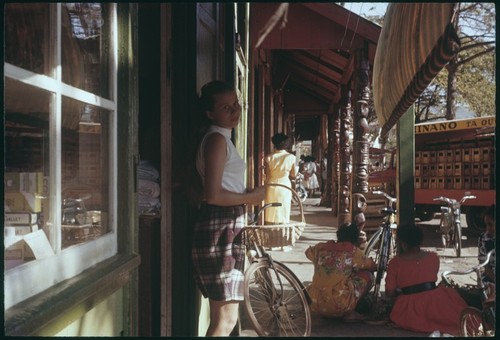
405 187
51 311
128 153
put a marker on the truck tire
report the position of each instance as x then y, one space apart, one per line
474 218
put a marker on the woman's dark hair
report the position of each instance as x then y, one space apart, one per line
208 92
348 232
191 178
412 235
281 141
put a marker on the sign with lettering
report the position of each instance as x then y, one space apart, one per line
454 125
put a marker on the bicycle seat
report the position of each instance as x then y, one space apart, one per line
387 211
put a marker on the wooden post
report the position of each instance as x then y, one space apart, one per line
345 156
334 160
361 144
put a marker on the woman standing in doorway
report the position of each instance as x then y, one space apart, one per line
280 167
218 256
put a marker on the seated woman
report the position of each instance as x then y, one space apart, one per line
420 305
342 275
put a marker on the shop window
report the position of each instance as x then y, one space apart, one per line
60 143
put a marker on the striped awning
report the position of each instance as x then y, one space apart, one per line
417 40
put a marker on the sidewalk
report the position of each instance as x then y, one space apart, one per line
322 226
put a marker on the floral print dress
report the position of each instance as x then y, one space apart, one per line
339 278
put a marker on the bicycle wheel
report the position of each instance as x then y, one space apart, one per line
275 301
371 249
472 323
457 239
384 253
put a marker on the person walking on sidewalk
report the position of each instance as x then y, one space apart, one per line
342 275
280 168
310 179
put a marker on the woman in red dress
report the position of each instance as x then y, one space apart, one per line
420 304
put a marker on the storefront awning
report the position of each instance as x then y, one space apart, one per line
417 40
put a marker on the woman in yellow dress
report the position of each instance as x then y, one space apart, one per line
342 275
279 167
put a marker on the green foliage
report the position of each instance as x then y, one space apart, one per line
474 74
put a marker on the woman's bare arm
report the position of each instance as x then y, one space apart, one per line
215 158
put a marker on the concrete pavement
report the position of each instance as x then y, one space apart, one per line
322 226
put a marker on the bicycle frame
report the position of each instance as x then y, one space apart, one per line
384 235
487 310
450 224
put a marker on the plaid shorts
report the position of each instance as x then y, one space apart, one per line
218 252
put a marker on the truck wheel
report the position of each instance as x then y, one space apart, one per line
425 216
474 218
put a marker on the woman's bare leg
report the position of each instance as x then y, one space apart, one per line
223 317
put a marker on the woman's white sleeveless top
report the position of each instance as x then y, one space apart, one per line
233 178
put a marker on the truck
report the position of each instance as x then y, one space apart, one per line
451 157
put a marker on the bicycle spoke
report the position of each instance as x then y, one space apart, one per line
276 309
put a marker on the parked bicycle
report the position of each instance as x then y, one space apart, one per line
382 245
450 225
276 301
474 321
299 188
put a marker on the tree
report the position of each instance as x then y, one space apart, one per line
468 80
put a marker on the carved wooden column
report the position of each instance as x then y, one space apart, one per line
329 198
344 214
361 144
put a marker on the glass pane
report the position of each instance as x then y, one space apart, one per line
85 180
27 36
85 46
26 170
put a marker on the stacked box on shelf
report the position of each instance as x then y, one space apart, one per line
22 205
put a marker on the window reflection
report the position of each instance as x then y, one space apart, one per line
85 46
26 170
26 36
84 172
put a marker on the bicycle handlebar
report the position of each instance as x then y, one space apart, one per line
468 271
451 200
264 207
389 198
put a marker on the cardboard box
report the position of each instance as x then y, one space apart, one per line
441 156
467 169
448 170
22 201
440 182
31 182
476 169
467 183
449 156
20 217
19 229
448 184
486 182
476 154
486 153
457 155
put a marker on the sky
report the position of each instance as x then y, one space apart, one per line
367 8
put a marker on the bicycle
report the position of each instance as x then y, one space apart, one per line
382 245
276 301
450 225
299 188
475 321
